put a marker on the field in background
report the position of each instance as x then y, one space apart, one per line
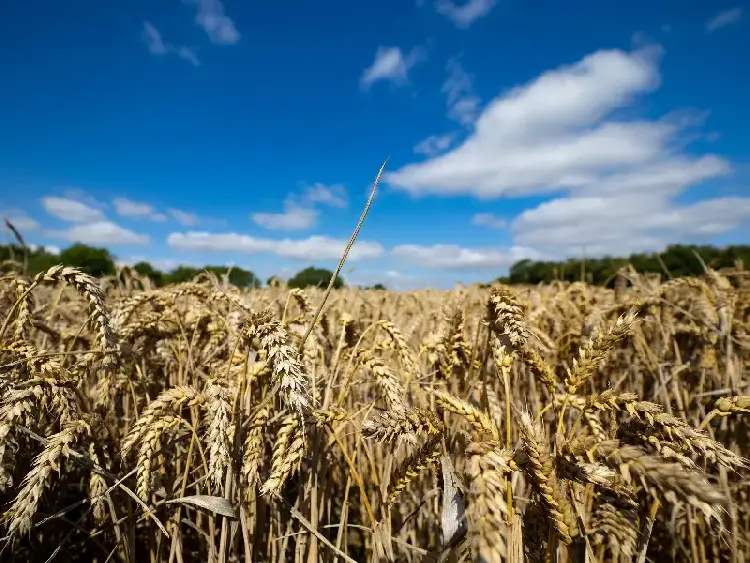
195 422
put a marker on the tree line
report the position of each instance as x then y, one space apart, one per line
100 262
675 260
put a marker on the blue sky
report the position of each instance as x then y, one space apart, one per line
200 131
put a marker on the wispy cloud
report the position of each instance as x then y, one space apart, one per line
723 19
299 210
157 46
293 218
183 217
465 13
81 195
100 232
20 219
463 103
334 194
153 40
139 210
311 248
129 208
489 220
454 257
434 144
71 210
463 107
89 224
391 65
187 54
211 18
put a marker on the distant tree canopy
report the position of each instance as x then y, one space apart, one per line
314 277
91 260
181 274
39 259
99 262
237 276
88 259
677 260
146 269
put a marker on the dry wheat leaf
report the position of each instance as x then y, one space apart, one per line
217 505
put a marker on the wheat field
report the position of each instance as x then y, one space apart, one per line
201 422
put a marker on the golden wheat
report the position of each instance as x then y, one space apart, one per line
205 422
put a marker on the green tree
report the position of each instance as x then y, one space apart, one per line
39 259
181 274
675 260
10 251
314 277
91 260
244 278
42 261
146 269
237 276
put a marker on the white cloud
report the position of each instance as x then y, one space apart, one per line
454 257
666 177
723 19
187 54
211 18
334 195
71 210
20 219
390 64
100 232
152 38
299 211
434 144
488 220
549 134
465 13
312 248
619 179
183 217
621 224
129 208
463 104
157 46
293 218
81 195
